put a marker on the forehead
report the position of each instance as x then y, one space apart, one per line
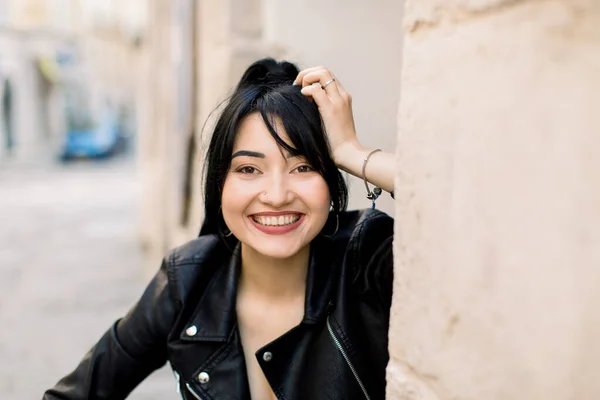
253 133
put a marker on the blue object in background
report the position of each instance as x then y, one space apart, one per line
92 132
99 140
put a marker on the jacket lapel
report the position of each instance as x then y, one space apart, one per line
215 316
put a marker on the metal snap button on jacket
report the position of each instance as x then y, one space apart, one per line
191 331
267 356
203 377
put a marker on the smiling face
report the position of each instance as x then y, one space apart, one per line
273 202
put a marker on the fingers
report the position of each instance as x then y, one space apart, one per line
316 74
302 73
334 103
324 80
322 86
343 94
319 95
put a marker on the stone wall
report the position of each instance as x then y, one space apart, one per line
497 276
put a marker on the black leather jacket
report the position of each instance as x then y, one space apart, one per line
187 316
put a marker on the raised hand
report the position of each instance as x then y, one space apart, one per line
335 106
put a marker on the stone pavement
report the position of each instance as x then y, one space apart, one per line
69 266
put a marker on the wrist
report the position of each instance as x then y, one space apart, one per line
347 153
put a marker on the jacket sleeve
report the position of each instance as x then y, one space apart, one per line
128 352
375 274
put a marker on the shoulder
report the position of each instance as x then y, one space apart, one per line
194 261
365 228
368 255
195 250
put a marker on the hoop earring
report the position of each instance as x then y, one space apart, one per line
224 234
337 225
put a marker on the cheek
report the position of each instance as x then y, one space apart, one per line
234 199
235 188
316 195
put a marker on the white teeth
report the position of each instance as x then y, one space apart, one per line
277 221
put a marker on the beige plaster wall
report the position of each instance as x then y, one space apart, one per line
497 276
361 42
156 135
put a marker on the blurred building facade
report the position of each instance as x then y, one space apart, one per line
50 49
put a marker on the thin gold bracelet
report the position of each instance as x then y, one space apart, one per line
371 195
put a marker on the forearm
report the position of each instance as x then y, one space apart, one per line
379 169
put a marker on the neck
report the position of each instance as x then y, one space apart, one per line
274 278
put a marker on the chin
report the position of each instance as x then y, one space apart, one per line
276 250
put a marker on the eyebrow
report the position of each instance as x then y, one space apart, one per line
256 154
247 153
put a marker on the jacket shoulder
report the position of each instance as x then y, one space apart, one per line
370 235
192 262
194 251
364 227
366 236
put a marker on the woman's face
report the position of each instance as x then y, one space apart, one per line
272 202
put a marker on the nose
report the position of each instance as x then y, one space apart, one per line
277 192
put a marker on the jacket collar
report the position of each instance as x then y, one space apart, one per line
215 316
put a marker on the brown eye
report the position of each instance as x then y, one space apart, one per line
247 170
304 168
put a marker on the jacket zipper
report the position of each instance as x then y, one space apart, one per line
339 346
196 395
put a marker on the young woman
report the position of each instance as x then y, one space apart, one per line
284 295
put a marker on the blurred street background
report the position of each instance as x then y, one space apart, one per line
70 253
103 105
69 266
